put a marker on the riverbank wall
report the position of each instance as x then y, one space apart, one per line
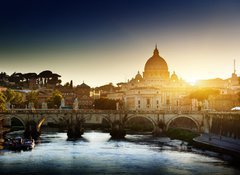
219 144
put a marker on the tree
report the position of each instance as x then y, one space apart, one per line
9 94
32 97
104 103
203 94
55 100
15 98
29 76
18 99
16 78
3 78
66 84
54 79
2 102
44 76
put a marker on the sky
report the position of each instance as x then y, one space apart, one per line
103 41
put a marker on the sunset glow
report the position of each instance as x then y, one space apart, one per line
196 39
119 87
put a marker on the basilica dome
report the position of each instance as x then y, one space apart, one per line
156 67
156 62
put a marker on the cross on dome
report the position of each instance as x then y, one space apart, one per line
156 52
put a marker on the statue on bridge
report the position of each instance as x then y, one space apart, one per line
31 106
75 104
8 105
62 103
44 105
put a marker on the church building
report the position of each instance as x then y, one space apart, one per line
155 89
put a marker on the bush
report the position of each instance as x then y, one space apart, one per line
182 134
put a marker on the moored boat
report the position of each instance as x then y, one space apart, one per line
19 143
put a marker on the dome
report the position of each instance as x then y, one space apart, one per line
138 76
83 85
156 62
174 76
156 68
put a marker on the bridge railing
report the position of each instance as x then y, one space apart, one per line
93 111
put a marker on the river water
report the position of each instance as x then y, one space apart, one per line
96 153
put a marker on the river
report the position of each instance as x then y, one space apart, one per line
96 153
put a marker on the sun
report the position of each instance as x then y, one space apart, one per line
192 81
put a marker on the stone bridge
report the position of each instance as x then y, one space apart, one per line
199 121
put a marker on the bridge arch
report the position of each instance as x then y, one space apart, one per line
196 123
106 117
17 119
154 124
40 123
49 119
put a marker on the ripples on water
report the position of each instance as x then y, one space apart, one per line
96 153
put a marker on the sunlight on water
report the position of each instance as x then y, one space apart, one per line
94 137
96 153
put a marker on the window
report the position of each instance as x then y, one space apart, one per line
148 102
168 101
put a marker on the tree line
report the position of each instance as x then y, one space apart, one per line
19 80
18 100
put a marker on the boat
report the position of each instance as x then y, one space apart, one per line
19 143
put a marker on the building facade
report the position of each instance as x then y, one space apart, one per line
83 94
155 89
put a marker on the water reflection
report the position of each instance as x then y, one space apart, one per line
96 137
96 153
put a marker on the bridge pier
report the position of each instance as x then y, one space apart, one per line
75 128
159 129
117 130
75 131
220 123
157 132
31 130
1 133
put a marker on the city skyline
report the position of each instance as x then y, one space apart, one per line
119 87
103 42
